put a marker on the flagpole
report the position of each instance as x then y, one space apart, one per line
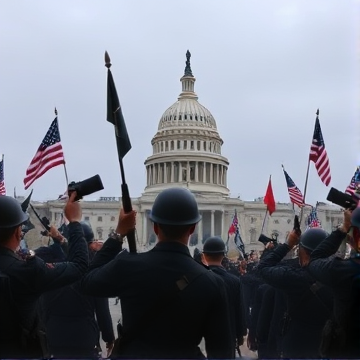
306 181
266 213
263 224
125 195
293 205
66 175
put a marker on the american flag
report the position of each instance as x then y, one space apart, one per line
354 183
235 233
2 180
318 154
312 220
295 194
49 155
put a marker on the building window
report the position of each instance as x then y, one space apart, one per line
185 144
87 218
113 218
100 233
166 146
172 145
198 145
204 145
99 218
252 236
192 145
178 144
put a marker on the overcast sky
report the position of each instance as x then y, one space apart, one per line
262 68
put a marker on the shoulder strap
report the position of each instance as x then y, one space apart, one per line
158 307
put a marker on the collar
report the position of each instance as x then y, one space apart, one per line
172 246
217 267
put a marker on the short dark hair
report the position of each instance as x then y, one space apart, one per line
174 232
215 257
7 233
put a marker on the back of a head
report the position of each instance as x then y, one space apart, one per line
11 214
355 218
88 232
311 238
214 246
175 207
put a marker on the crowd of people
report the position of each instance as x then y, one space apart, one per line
283 303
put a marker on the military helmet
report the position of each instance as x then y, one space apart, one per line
88 232
355 218
214 245
175 206
311 238
11 214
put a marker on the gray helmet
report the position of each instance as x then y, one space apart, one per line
355 218
11 214
214 245
175 206
311 238
88 232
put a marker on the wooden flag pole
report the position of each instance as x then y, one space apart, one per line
66 175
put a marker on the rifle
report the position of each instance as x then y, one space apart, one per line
43 221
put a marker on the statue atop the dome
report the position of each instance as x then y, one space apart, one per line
188 71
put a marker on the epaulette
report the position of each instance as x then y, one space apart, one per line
25 254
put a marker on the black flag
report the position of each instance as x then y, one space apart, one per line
114 114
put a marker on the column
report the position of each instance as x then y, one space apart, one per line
217 174
200 231
165 173
180 172
188 171
144 234
212 222
172 171
196 172
204 173
153 174
211 175
222 223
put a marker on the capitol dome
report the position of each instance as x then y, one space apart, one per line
187 146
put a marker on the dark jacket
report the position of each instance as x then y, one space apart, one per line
140 280
307 312
236 304
31 277
341 276
68 316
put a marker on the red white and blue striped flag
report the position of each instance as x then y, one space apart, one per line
318 154
295 194
234 234
354 183
48 155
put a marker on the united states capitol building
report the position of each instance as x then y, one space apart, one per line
187 152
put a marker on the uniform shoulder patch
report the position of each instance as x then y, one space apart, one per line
26 254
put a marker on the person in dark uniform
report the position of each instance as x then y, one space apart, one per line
341 337
74 330
309 304
29 276
213 254
169 301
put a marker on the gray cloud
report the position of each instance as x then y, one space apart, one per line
262 69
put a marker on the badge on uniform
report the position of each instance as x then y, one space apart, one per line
25 254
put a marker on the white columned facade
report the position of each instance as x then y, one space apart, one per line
172 171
